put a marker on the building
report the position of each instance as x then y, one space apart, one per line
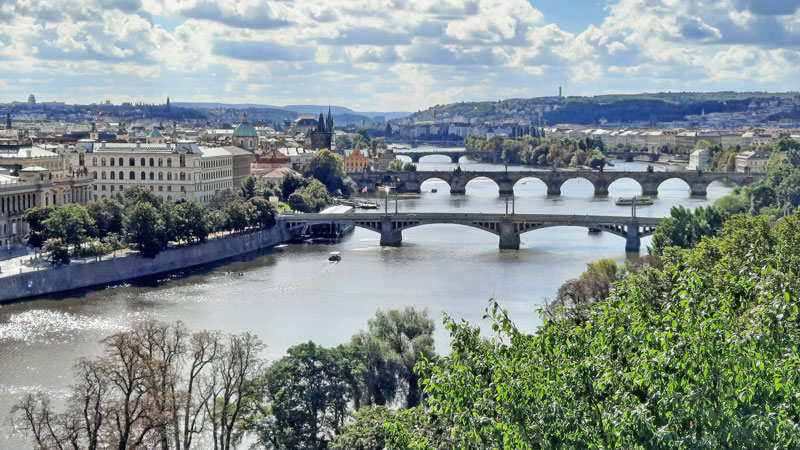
245 136
699 159
753 161
383 159
40 156
355 161
322 136
173 171
276 176
242 161
36 186
155 137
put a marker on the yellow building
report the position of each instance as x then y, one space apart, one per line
355 161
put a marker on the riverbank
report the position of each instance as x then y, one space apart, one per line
132 265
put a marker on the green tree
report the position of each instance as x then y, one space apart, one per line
225 197
35 218
239 215
56 250
144 229
172 221
138 194
364 134
697 354
760 196
733 204
328 168
249 187
308 391
365 431
195 223
72 224
108 215
685 228
597 161
291 183
264 212
395 166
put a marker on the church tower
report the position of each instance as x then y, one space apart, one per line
322 136
169 107
8 121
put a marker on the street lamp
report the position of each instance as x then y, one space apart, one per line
386 204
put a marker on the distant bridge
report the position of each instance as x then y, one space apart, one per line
507 227
454 155
458 179
496 157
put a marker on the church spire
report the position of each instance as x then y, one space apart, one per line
8 121
244 118
321 122
329 122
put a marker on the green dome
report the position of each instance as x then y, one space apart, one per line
244 129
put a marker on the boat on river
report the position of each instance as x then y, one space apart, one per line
335 256
640 200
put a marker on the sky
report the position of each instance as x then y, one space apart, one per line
390 55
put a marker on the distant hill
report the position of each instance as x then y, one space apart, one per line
340 113
615 108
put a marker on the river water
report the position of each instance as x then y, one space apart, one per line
292 294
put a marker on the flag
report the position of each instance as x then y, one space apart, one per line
365 190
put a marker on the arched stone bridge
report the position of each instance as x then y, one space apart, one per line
507 227
496 157
454 155
458 179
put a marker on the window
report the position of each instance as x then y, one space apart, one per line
183 188
169 188
142 176
131 175
183 160
102 161
142 162
94 161
152 162
94 186
160 176
160 162
94 175
121 175
112 188
169 162
103 187
183 176
111 161
80 159
160 188
112 174
132 162
169 176
103 175
120 161
152 176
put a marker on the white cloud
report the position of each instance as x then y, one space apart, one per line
387 54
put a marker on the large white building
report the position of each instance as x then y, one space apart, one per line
173 171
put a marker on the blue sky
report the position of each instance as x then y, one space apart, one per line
390 54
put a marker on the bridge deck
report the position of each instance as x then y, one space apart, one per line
434 217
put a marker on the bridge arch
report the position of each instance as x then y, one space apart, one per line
430 183
625 186
482 183
403 157
529 186
675 184
577 185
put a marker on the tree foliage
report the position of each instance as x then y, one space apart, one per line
701 353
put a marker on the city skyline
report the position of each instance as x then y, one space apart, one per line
389 55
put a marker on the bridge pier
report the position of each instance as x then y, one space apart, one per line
698 189
415 158
633 241
650 189
600 189
458 187
553 188
506 187
509 240
389 236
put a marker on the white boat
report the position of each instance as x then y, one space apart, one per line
640 201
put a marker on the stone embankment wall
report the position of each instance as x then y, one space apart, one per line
132 265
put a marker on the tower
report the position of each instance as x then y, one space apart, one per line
8 121
174 126
559 92
322 136
168 105
329 121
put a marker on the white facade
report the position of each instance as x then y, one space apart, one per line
699 159
173 171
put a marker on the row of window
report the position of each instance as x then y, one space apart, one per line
17 203
216 163
142 162
216 174
122 188
183 176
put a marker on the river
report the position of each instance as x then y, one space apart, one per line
292 294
